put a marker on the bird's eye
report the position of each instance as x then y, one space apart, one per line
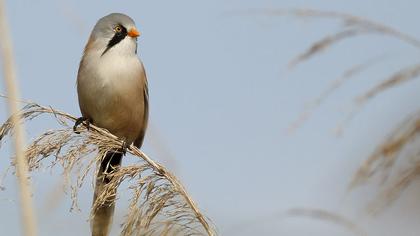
118 29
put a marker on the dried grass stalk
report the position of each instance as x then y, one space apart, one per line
401 76
27 210
391 193
364 23
335 84
383 159
327 216
159 204
386 154
326 43
312 213
353 26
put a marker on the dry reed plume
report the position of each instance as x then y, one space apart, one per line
352 26
384 158
382 161
159 203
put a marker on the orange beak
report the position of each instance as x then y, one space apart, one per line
133 33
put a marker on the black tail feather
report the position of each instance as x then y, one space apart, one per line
111 161
102 219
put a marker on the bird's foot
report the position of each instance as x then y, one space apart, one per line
124 147
79 121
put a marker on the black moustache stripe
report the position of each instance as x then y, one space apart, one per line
118 36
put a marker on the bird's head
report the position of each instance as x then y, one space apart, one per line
114 33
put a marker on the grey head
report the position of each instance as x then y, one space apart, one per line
112 29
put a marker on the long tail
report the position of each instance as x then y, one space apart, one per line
102 218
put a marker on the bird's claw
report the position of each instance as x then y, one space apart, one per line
124 147
79 121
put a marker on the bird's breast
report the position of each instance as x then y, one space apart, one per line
111 94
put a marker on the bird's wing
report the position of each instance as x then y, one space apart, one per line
139 141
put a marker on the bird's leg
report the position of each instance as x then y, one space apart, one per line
124 147
88 121
79 121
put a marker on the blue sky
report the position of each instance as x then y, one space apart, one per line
222 99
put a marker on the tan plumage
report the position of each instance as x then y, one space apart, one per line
113 94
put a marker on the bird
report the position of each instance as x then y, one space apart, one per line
113 94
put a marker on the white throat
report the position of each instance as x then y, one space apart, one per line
126 47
